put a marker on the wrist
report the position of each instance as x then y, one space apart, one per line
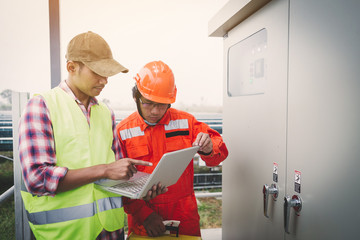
102 171
206 154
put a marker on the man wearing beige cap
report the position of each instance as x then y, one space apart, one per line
67 142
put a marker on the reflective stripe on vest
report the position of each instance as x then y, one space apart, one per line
131 132
109 203
177 124
72 213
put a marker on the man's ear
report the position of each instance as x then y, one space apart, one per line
71 66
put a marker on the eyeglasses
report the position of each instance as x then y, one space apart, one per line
151 105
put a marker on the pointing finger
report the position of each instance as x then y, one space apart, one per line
140 162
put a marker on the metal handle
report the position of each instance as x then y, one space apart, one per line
274 191
294 202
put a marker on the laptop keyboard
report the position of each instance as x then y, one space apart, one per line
133 186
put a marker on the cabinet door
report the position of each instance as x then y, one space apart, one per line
324 118
254 129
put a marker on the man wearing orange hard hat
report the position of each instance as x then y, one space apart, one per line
154 129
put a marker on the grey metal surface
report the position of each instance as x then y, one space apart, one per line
208 194
22 229
7 194
211 234
307 122
233 13
324 117
54 31
254 129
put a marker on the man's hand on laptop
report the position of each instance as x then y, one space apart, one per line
123 169
154 191
204 141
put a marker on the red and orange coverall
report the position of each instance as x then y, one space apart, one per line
176 130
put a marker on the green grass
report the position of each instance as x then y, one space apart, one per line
7 220
7 212
210 210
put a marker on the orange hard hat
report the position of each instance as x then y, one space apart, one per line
155 81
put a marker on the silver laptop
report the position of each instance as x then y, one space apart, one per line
168 171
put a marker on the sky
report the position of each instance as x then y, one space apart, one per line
138 31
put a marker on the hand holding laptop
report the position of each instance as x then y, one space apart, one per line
203 140
167 172
154 191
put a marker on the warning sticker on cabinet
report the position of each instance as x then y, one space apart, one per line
275 172
297 181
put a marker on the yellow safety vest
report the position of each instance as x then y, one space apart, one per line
81 213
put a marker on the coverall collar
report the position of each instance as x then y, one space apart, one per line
163 121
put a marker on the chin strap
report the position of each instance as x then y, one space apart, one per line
149 123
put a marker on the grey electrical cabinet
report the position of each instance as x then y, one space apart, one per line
291 118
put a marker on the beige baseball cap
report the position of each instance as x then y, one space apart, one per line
92 50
